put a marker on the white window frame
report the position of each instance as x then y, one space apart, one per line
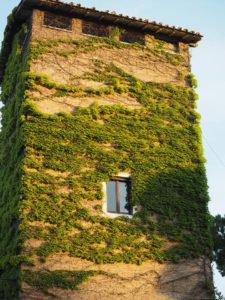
104 208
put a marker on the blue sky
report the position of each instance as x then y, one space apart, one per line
208 64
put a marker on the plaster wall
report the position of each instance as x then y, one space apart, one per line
149 281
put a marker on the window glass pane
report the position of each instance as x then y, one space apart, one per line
123 192
111 196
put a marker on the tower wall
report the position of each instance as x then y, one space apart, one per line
93 107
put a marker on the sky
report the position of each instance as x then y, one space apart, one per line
208 64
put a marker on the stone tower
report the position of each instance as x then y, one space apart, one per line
103 193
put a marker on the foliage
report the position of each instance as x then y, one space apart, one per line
11 29
218 295
53 166
178 177
11 161
116 81
157 53
116 31
62 279
219 242
192 80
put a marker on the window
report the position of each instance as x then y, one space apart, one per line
119 196
57 21
127 36
95 29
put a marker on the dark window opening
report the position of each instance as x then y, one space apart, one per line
176 47
119 196
95 29
132 37
57 21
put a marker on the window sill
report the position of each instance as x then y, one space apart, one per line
116 215
56 28
131 43
93 35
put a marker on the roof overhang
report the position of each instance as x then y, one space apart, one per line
160 30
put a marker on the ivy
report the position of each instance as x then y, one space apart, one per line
61 279
156 53
53 166
218 233
192 80
11 161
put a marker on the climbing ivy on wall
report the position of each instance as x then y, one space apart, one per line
11 161
53 166
156 144
155 53
62 279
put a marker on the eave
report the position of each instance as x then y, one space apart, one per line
77 11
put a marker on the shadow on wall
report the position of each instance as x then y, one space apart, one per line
174 203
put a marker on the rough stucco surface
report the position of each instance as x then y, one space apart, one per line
63 69
133 61
151 280
52 105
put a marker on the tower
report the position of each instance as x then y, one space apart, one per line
103 190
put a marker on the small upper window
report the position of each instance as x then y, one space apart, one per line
119 196
96 29
57 21
128 36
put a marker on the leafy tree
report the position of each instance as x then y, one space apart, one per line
219 242
218 295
